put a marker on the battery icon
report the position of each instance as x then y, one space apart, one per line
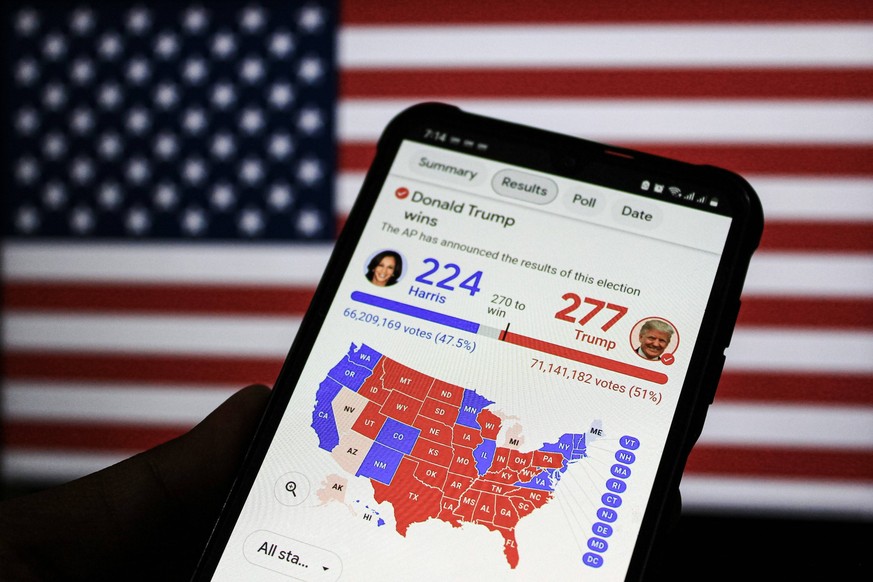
713 202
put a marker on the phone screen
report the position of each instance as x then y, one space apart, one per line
490 386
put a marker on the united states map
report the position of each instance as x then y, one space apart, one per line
430 448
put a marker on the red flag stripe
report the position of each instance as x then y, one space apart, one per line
93 436
130 368
158 298
688 83
191 372
812 236
843 313
780 462
358 12
786 387
800 160
704 459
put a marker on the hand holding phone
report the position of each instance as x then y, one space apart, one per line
504 368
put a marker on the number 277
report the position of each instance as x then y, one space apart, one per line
567 313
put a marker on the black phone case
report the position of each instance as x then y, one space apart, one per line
568 156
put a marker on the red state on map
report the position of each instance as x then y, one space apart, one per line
433 408
483 507
519 461
372 387
413 501
486 508
522 506
490 424
467 505
431 474
401 407
528 473
456 485
490 486
510 547
548 459
506 476
501 459
432 452
463 463
370 422
448 393
402 379
507 514
433 430
537 497
466 436
439 476
447 511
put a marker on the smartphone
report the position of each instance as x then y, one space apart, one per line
504 367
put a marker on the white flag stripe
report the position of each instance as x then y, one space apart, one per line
294 264
770 274
825 427
691 121
783 198
53 466
798 267
648 46
797 497
751 348
156 404
347 188
798 426
112 333
800 350
810 275
787 198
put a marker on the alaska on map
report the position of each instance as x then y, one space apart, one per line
430 448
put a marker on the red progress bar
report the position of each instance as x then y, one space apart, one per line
585 358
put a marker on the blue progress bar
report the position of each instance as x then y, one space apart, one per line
418 312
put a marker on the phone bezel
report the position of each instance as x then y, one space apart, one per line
547 151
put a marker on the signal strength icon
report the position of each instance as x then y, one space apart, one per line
689 196
674 191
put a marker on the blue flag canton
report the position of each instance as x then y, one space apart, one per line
167 120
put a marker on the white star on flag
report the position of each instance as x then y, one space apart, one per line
138 133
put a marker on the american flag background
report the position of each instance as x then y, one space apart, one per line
177 172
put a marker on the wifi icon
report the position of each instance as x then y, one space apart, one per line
674 191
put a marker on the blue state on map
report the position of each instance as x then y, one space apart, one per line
429 448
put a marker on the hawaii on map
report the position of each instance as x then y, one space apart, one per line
430 449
